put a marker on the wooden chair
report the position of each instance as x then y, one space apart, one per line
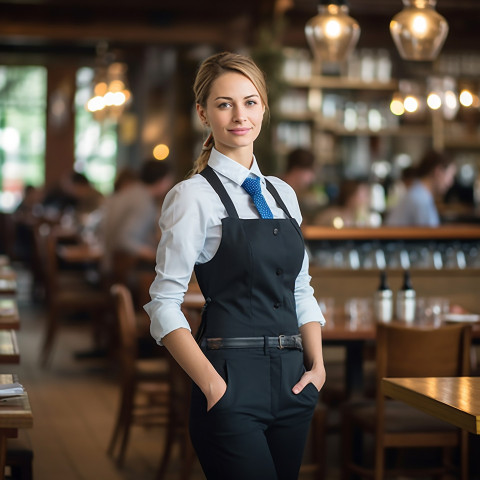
144 383
67 291
20 457
177 426
408 352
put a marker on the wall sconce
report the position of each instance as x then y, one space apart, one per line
332 34
419 31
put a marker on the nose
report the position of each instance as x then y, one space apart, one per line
239 115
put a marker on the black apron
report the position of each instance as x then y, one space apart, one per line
249 283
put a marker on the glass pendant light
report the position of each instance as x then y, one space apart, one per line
332 34
419 31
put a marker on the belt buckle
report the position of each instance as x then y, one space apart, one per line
280 338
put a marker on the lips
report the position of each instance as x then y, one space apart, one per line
239 131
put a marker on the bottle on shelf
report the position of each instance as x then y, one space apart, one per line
383 300
406 300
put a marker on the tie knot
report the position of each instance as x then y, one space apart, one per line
252 185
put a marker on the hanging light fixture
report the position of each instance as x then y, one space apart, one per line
332 34
110 90
419 31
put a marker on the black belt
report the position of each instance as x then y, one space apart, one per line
281 342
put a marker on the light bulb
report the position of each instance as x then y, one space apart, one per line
434 101
332 34
466 98
419 31
411 104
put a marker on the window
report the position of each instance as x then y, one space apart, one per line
95 142
23 97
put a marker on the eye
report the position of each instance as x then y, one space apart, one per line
224 105
251 102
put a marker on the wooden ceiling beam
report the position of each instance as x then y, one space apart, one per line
178 34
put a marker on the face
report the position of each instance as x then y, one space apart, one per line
444 178
305 178
234 112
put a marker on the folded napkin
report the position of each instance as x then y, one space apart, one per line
11 389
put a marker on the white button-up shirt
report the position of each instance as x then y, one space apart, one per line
191 227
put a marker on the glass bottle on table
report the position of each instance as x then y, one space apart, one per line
383 300
406 300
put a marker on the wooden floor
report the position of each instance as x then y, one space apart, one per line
74 404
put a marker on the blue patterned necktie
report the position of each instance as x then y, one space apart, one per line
252 186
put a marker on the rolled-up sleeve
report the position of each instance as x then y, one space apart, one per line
183 227
307 306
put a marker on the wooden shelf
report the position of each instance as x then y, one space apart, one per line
331 272
460 232
463 141
401 131
342 83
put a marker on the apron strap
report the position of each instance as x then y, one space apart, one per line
212 178
277 198
209 174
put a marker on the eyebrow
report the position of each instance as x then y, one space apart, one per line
230 98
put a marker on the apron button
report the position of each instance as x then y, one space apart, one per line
279 271
275 231
277 305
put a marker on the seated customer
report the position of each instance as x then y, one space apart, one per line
129 227
351 208
300 175
300 171
434 176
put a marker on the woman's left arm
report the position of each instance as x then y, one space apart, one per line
313 357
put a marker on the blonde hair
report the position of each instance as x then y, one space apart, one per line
212 68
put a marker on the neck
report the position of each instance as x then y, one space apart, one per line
243 156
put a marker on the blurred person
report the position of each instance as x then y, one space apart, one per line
300 171
86 197
352 207
73 195
257 365
128 228
24 219
399 187
434 175
125 177
300 175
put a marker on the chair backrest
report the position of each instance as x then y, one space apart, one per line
408 351
127 326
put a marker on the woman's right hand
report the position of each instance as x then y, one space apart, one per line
215 392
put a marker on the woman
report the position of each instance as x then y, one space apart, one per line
252 397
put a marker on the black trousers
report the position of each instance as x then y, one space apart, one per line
258 429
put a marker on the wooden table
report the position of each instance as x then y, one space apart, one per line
8 286
9 352
7 273
9 317
15 413
80 253
453 399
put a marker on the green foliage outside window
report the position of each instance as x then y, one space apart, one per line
23 93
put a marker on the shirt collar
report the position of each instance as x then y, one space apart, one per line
233 170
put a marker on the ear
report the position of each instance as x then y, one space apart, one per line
202 114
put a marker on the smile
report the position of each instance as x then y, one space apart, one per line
239 131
